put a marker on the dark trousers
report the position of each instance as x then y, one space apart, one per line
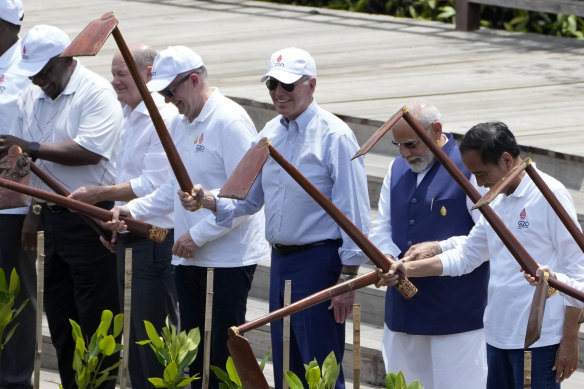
153 299
80 282
230 290
313 331
17 363
506 368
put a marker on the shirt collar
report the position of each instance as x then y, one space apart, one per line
524 186
304 119
142 109
10 56
209 106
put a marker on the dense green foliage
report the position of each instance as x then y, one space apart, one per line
8 292
444 10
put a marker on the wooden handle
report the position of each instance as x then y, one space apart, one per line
146 230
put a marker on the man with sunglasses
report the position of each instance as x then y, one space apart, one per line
441 329
212 135
308 247
69 123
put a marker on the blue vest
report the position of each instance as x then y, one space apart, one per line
435 210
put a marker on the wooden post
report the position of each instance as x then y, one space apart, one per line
468 15
356 346
127 316
286 334
208 324
526 369
39 308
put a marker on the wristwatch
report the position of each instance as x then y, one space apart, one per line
346 277
33 150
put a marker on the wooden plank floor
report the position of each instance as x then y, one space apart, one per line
367 65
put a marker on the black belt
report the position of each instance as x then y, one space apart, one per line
283 250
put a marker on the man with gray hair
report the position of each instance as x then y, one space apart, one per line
17 225
142 167
436 337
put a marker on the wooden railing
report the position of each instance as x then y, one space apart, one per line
468 12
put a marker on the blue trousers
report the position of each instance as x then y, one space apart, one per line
17 362
506 368
230 289
313 331
153 299
80 282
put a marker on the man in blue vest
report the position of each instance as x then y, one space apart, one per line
437 336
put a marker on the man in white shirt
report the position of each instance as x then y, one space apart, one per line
420 202
142 166
308 247
489 151
17 225
212 134
69 123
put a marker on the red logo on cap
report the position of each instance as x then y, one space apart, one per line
24 50
2 79
279 58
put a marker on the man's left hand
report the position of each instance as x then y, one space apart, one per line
342 306
566 358
6 141
184 247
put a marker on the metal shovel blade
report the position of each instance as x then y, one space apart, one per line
92 38
535 320
245 362
242 178
379 133
502 184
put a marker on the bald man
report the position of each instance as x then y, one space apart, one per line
141 168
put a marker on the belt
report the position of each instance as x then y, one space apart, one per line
283 250
54 208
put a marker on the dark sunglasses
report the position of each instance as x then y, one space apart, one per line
272 84
169 92
408 145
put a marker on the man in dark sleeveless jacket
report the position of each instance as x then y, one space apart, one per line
437 336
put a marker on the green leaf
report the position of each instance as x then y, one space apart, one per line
293 381
158 382
118 324
107 345
75 330
313 376
401 381
330 370
187 380
390 380
265 360
14 287
170 372
106 321
10 333
153 335
220 374
415 385
2 281
230 366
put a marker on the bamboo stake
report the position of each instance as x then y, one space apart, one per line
286 334
527 369
208 324
356 346
127 316
39 307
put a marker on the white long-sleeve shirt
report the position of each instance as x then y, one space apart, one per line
536 226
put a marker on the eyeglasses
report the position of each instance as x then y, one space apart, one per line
272 84
408 145
169 92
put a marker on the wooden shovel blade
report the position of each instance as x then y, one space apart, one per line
92 38
14 167
536 312
379 133
242 178
501 185
245 362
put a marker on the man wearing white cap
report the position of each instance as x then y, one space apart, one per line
211 136
17 225
142 167
308 247
69 123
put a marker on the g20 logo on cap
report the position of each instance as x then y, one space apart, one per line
279 61
522 223
24 56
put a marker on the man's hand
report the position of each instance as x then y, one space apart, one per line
6 141
87 194
567 354
391 278
423 250
184 247
342 306
110 245
197 198
28 234
540 271
116 224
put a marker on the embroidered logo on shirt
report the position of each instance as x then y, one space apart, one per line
522 223
443 211
199 146
2 87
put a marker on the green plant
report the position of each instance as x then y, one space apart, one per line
398 381
229 376
330 372
8 295
89 358
175 352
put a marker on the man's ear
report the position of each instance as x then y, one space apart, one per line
148 73
436 130
507 160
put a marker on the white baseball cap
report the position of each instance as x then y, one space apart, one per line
288 65
171 62
39 45
12 11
